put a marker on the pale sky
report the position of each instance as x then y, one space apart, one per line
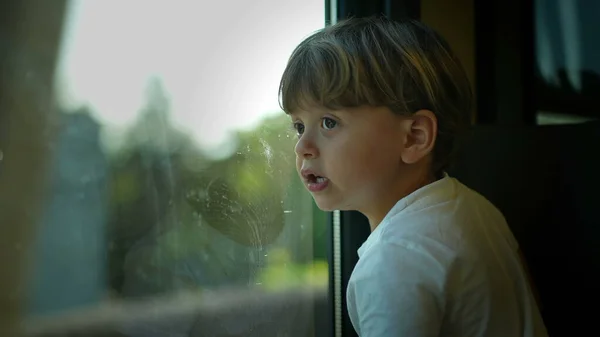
220 61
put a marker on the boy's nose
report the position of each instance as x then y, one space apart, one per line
306 148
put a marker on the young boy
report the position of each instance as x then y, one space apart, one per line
378 107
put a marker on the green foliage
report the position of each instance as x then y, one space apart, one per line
165 190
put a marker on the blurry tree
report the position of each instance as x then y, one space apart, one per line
180 219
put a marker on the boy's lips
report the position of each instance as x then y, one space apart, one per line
313 180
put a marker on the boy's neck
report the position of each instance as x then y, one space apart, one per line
403 188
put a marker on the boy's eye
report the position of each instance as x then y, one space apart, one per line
328 123
299 127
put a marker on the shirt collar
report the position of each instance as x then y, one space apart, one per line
431 194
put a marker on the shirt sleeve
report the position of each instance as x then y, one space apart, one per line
397 291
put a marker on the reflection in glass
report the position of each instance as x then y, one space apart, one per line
173 172
567 56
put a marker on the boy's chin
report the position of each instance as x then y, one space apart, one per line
326 205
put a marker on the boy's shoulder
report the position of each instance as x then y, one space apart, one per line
444 220
448 245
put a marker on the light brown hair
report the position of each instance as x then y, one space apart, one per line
403 65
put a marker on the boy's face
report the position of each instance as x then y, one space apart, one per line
350 159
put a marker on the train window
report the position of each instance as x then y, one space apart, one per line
567 60
172 206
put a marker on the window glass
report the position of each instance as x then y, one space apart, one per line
172 205
567 60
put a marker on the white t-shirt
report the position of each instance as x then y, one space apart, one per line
443 262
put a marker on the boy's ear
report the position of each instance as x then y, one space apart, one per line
421 132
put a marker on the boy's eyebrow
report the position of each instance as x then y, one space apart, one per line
293 115
298 113
301 112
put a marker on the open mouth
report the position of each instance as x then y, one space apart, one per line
314 179
315 183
